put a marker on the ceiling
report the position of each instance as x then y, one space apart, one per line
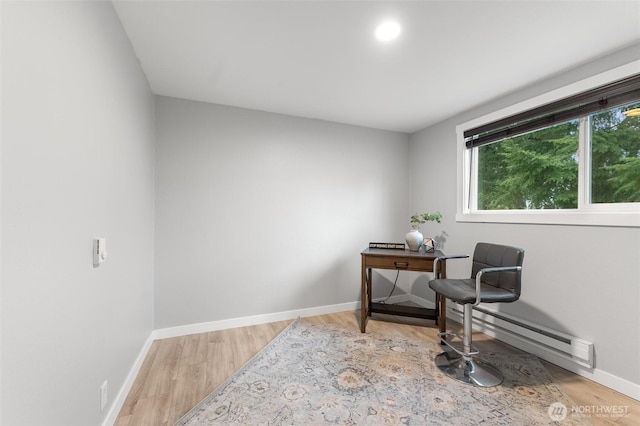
320 59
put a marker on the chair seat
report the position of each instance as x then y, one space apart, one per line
464 291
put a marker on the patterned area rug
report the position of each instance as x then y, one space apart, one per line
320 374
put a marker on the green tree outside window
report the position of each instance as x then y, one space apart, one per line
539 170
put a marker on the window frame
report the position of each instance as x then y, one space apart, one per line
587 213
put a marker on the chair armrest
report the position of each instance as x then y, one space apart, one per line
488 271
500 269
445 257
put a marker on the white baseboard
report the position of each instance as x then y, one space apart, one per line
422 302
400 298
118 401
204 327
616 383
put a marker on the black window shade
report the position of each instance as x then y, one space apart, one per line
604 97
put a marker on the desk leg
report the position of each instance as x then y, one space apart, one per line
363 300
369 290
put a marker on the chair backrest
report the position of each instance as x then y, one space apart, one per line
488 255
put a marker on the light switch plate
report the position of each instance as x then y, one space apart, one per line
99 251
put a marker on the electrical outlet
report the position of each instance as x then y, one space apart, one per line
104 395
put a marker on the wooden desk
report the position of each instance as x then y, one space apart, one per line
402 260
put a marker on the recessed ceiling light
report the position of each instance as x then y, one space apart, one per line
388 31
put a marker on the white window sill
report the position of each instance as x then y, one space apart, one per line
628 219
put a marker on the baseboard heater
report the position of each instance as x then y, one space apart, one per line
498 323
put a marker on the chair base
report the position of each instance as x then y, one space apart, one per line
469 370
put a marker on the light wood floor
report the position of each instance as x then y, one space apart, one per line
179 372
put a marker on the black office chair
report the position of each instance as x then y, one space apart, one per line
495 277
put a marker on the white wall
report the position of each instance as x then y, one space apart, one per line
578 279
255 213
260 213
77 163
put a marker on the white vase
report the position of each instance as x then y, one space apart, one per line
414 239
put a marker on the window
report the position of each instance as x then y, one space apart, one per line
575 160
537 170
614 148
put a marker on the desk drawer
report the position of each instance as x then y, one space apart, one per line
409 264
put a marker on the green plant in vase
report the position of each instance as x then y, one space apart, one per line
414 238
419 219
